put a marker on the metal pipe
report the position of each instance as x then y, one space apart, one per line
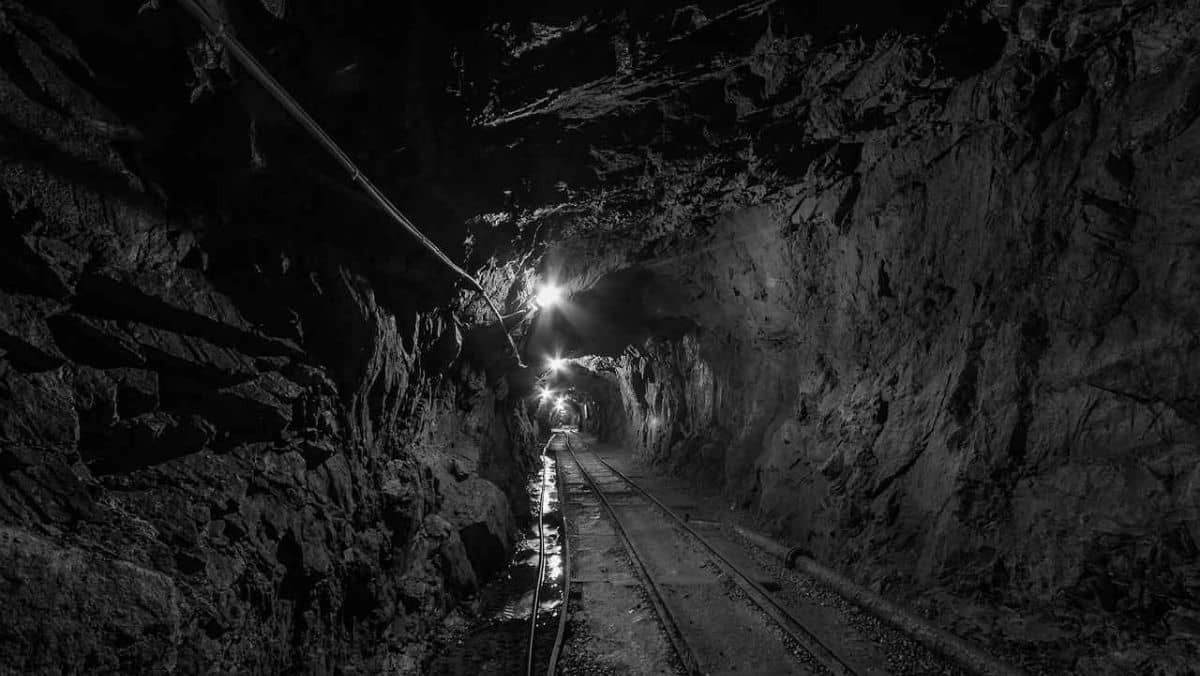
218 30
942 642
552 667
537 589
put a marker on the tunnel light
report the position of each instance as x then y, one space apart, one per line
557 363
548 295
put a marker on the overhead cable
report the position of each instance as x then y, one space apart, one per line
218 30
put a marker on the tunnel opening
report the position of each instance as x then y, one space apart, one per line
583 396
567 415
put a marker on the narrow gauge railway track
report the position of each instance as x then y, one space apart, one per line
689 648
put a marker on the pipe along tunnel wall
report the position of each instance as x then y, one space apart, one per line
914 287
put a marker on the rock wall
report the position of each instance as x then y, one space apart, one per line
921 284
942 278
220 448
967 360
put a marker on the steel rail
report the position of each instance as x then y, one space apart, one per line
753 590
686 654
220 31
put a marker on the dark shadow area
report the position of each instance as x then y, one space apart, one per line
623 308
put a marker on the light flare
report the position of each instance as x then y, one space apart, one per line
548 295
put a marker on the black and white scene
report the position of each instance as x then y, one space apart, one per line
586 338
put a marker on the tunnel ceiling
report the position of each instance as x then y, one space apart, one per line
578 139
914 282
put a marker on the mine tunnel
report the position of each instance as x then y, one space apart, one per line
582 337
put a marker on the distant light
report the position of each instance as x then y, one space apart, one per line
560 401
557 363
548 295
545 393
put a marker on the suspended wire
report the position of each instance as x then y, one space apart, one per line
564 538
218 30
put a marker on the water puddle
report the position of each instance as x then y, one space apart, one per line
496 643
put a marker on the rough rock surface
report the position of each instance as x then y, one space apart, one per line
934 288
916 283
219 448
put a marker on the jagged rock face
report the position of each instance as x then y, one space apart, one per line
953 347
917 284
220 448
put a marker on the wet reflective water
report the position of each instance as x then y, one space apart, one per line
496 643
515 589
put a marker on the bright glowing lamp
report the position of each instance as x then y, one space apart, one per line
556 363
548 295
545 393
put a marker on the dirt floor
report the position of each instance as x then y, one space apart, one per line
614 625
863 642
